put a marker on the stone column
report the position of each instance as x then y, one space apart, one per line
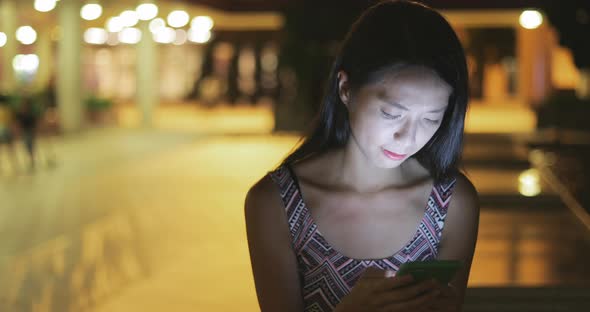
45 54
534 65
147 68
8 16
69 77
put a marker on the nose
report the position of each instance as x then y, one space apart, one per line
405 135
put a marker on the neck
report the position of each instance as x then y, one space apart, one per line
357 173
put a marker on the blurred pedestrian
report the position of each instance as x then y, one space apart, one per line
7 132
27 117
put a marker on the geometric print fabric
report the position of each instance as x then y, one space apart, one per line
326 275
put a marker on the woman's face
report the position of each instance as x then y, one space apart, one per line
392 119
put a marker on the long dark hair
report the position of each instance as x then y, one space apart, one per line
387 36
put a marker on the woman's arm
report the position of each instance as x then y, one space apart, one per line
274 263
460 233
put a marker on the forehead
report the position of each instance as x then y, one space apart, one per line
412 84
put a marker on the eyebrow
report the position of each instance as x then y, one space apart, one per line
394 104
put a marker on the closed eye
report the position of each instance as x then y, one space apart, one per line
433 121
389 116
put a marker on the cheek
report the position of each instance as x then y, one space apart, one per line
372 131
424 137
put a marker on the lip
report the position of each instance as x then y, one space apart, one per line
394 156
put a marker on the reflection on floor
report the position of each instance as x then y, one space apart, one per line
530 248
152 220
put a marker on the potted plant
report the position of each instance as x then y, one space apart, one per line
98 109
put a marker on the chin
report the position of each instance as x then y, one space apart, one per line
386 163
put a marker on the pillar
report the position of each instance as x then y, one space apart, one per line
44 51
534 69
69 73
8 21
147 86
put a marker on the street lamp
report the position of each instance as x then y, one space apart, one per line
147 11
26 35
91 11
129 18
3 39
530 19
44 5
178 18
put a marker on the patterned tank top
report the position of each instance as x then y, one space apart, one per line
326 275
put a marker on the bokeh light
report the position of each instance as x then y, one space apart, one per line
202 22
26 64
165 35
531 19
157 24
178 18
529 183
129 18
3 39
91 11
199 36
26 35
114 24
130 35
147 11
95 35
45 5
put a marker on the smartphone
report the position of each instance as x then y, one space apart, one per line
441 270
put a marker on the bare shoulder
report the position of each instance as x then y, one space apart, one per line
460 231
263 193
269 244
465 194
264 208
462 218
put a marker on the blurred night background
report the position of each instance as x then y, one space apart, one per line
131 130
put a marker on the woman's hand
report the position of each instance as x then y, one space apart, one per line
446 301
374 292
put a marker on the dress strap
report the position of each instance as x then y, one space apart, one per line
297 215
438 204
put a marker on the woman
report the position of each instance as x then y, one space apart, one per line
371 186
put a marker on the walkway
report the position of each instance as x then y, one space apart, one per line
152 220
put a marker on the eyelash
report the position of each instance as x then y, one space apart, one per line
389 116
